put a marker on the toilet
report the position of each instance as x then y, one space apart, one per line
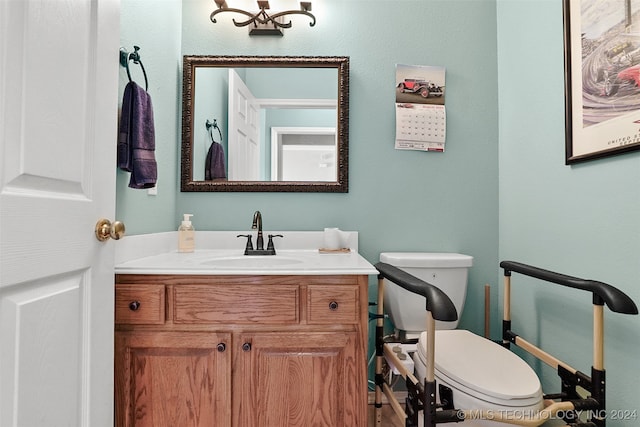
480 373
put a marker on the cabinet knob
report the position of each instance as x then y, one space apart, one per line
221 347
333 305
246 346
134 305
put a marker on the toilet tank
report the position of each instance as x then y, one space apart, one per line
447 271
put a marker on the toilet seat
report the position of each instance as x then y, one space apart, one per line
482 369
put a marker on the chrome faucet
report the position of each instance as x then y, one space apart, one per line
257 224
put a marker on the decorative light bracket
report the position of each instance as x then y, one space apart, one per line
263 23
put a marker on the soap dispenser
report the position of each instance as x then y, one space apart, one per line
186 235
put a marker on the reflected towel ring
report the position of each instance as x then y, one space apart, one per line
134 56
210 125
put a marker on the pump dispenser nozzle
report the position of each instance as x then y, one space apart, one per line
186 221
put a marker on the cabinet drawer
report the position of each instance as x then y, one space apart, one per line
332 304
238 304
140 304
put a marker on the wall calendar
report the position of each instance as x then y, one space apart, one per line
420 111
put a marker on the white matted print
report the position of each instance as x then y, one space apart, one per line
602 69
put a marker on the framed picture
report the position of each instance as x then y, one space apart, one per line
602 78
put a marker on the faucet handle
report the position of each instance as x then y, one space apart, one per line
270 246
249 246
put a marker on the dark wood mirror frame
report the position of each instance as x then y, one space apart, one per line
190 63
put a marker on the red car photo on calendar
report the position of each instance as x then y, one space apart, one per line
424 87
420 84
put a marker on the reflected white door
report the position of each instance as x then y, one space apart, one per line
244 128
303 154
58 117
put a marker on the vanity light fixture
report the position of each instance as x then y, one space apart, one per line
261 23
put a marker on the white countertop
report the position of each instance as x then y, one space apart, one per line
221 261
221 253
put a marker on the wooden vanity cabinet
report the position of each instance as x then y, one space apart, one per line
171 379
241 351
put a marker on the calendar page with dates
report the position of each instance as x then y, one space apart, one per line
420 127
421 121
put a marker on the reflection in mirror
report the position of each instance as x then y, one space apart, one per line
265 124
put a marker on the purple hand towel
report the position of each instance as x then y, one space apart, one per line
214 164
136 139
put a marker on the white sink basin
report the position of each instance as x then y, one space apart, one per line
251 262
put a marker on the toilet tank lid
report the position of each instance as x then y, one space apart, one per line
427 259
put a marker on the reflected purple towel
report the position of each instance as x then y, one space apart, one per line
136 138
214 164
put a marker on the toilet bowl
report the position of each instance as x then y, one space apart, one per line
481 374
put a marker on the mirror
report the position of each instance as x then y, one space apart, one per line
265 123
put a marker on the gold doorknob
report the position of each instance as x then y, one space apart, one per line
105 229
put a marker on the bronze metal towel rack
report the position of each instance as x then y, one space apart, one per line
134 56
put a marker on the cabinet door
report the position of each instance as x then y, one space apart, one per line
299 379
172 379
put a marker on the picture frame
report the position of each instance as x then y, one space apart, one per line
602 78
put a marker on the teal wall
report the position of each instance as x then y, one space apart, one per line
397 200
155 27
516 200
580 220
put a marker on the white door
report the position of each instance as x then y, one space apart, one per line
58 118
244 128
